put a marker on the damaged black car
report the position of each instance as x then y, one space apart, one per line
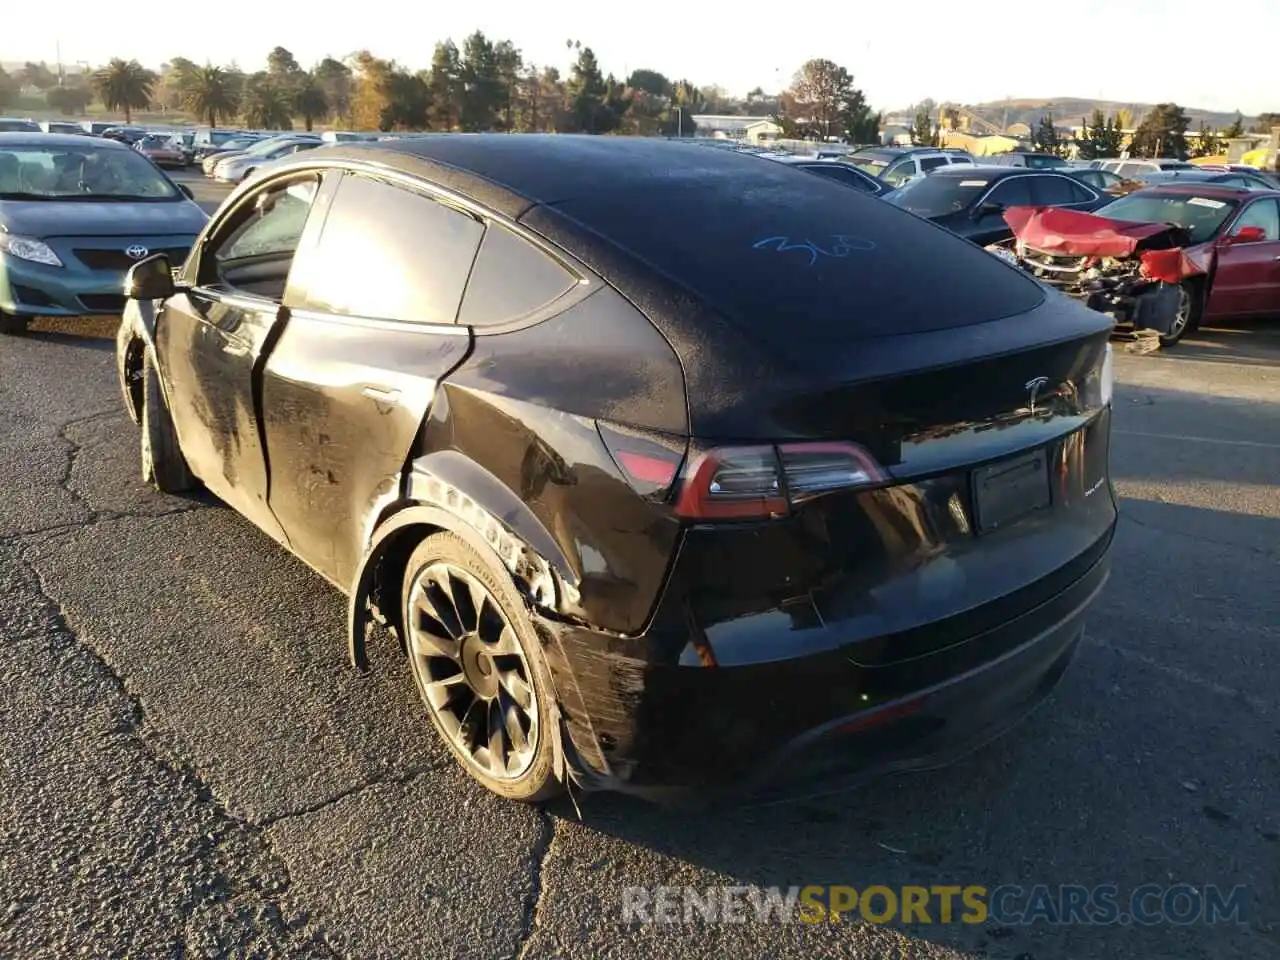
662 464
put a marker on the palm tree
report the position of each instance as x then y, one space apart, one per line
309 100
124 85
265 105
210 92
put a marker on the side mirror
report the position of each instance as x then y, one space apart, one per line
185 191
1247 235
149 279
989 209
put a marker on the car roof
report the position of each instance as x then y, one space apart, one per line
24 139
647 214
1195 188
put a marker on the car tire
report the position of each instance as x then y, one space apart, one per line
1190 307
163 465
11 325
479 670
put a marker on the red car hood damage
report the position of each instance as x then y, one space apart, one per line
1160 246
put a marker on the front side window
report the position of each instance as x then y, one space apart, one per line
899 173
1264 214
932 163
255 252
1014 192
389 253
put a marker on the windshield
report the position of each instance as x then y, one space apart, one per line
19 126
938 196
1203 217
31 172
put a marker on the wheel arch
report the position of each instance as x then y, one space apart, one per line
488 516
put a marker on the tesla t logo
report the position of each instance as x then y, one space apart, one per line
1033 388
136 252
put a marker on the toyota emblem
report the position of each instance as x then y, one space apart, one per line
136 252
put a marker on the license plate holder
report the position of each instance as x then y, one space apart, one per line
1009 490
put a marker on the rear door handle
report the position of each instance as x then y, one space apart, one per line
381 394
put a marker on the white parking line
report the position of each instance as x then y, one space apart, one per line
1186 439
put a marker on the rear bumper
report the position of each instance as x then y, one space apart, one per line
815 723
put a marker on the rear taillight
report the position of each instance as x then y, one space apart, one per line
734 483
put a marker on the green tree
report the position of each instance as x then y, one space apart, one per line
124 86
820 99
282 64
510 67
586 91
334 78
446 83
37 75
1045 136
1265 122
68 100
309 99
170 88
1236 129
481 84
265 104
922 128
212 93
1162 133
8 89
1207 142
650 81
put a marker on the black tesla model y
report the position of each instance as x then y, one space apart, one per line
671 469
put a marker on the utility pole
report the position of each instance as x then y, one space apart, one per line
58 48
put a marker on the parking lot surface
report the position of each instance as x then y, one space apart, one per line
190 767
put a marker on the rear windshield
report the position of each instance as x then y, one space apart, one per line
1202 216
872 161
787 256
938 196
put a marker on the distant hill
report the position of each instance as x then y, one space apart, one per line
1067 111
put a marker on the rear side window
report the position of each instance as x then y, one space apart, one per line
511 278
1014 192
1057 191
390 254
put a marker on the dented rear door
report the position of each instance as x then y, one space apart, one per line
369 336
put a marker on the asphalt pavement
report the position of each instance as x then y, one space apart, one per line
189 767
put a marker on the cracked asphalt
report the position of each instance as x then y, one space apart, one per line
189 768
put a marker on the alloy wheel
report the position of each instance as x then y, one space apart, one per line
1183 316
472 671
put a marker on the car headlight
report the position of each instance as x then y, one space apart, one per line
25 248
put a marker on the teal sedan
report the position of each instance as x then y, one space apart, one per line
75 214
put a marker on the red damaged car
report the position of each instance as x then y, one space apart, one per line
1160 259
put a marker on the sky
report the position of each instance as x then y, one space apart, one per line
1141 51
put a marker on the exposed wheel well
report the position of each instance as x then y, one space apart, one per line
388 575
133 367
